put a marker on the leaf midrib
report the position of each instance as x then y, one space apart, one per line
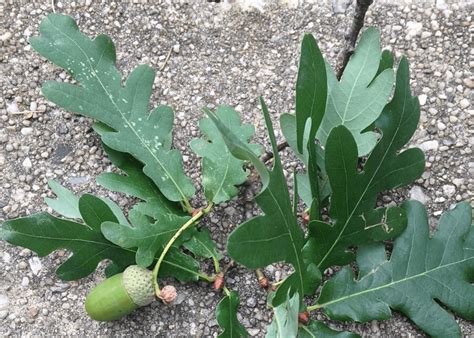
296 252
111 246
94 73
392 283
368 185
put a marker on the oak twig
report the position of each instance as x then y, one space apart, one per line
351 37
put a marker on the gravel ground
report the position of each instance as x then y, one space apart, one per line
218 55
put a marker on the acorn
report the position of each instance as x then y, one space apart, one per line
121 294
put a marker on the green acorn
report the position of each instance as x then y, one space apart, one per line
121 294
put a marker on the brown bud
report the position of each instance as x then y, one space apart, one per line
168 294
263 282
303 317
194 212
219 281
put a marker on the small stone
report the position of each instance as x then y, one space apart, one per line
458 182
422 98
6 36
468 82
25 281
9 147
35 265
22 265
78 180
449 190
429 145
441 125
416 193
176 48
413 29
27 163
425 35
251 302
441 5
7 257
12 108
59 287
464 103
26 131
33 312
4 302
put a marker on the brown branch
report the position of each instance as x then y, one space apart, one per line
351 37
269 154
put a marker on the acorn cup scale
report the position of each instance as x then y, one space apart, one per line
120 294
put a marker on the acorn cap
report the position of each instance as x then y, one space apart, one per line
139 285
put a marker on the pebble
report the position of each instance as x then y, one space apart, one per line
176 48
25 281
464 103
35 265
413 29
422 98
12 107
4 302
78 180
441 125
27 163
26 131
449 190
429 145
417 194
22 265
251 302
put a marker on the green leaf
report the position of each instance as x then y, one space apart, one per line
149 236
67 204
386 62
288 128
101 96
319 329
180 266
358 99
274 236
311 90
202 245
95 211
221 171
285 319
226 313
354 192
136 183
44 234
421 274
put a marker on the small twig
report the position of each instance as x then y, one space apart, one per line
166 60
262 279
269 154
351 37
25 112
228 266
349 44
52 5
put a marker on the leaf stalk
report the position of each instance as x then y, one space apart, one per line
170 243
